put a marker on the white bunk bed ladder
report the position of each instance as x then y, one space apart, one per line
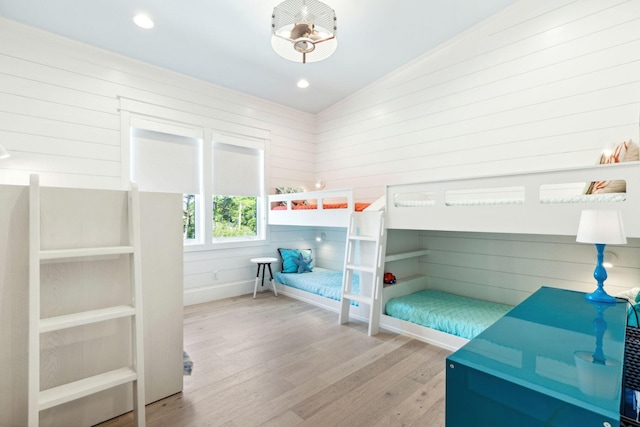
364 256
39 400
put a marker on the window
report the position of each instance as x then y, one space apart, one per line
221 179
237 187
171 163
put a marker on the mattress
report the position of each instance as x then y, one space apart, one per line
358 207
581 198
453 314
323 282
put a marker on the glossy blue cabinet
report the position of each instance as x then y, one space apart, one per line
554 360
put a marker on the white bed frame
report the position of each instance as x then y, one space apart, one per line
312 217
530 217
360 313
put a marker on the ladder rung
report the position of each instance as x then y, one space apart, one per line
361 268
363 238
84 318
85 252
68 392
357 297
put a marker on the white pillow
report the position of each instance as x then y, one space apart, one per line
630 295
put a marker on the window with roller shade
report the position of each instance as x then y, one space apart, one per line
169 159
237 189
220 175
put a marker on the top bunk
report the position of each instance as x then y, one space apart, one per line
544 202
325 208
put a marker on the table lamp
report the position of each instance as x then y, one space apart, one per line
601 227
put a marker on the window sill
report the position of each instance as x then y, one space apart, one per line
197 247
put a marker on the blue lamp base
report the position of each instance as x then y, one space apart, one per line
600 274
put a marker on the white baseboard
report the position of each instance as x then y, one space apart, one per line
211 293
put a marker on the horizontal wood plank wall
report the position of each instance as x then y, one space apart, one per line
507 268
541 85
60 118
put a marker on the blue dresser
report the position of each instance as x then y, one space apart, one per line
554 360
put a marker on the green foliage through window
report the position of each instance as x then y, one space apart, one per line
188 216
235 216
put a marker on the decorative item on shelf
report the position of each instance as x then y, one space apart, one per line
601 227
389 279
303 30
4 154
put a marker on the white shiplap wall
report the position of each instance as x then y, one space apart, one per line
60 118
543 84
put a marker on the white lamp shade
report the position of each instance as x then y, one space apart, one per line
601 226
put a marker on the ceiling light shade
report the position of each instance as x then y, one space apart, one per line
4 154
303 30
143 21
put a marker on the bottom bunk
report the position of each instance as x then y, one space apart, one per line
321 287
439 318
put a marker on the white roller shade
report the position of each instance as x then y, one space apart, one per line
167 163
237 170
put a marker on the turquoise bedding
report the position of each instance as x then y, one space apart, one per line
453 314
323 282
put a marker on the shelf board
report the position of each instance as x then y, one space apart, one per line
405 255
84 318
72 391
357 297
85 252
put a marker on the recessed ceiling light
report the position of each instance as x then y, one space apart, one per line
143 21
303 84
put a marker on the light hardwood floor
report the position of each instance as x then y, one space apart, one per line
276 361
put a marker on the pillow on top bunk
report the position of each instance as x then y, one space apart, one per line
296 260
291 190
626 151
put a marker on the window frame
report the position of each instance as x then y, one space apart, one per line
204 201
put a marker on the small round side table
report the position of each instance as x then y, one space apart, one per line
264 263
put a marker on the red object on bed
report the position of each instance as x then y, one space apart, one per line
359 207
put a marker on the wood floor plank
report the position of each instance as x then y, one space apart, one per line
276 361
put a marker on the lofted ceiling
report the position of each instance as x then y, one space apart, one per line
227 42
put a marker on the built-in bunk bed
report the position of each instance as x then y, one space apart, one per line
546 203
326 208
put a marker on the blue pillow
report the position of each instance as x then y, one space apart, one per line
291 257
304 264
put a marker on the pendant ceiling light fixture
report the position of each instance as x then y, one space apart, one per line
304 30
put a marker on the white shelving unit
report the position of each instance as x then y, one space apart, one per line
364 255
39 400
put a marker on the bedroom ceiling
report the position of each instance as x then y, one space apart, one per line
227 42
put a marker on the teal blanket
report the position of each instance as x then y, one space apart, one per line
453 314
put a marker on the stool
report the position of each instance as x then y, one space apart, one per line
264 263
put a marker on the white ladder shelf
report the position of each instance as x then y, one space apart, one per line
364 256
39 400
